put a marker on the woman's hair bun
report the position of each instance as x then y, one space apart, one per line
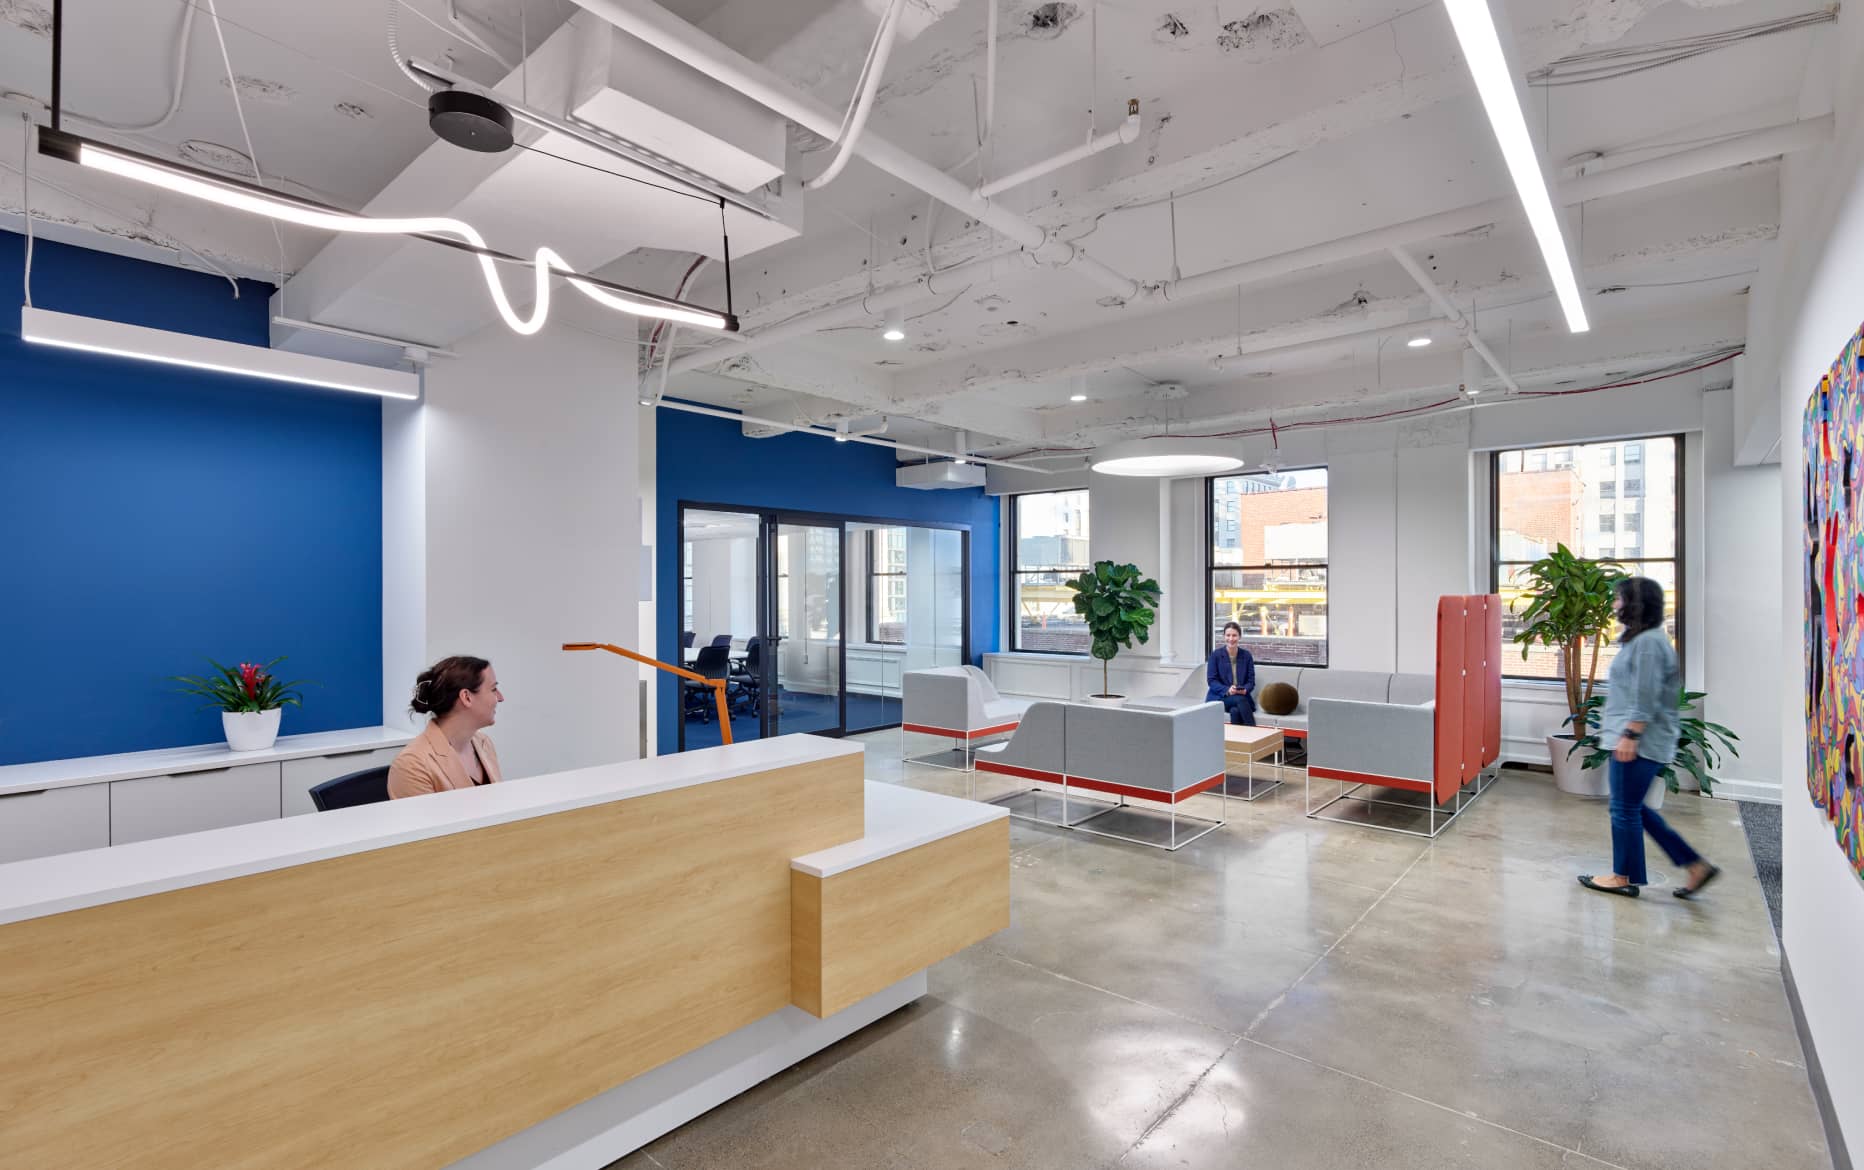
436 689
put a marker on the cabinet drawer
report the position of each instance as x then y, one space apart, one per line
57 820
166 806
303 775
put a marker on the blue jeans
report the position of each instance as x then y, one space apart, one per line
1242 709
1631 820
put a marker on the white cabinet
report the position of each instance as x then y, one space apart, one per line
165 806
53 820
303 775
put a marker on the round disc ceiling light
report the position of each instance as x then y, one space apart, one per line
1165 458
469 120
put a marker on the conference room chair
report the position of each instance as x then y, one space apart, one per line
713 661
369 786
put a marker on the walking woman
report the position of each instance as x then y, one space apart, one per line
1640 726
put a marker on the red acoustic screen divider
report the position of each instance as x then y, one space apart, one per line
1492 679
1475 634
1452 626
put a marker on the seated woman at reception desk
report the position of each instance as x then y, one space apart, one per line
462 695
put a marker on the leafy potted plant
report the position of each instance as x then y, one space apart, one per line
250 700
1568 607
1118 606
1699 745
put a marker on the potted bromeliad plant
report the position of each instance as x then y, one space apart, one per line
1699 744
1567 606
1118 606
250 700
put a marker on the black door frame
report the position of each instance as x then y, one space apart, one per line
767 521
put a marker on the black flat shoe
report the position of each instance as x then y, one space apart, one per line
1688 893
1585 879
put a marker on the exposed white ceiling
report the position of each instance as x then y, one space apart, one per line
1266 128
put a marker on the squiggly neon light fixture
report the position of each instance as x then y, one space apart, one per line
444 230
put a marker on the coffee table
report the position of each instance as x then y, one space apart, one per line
1242 747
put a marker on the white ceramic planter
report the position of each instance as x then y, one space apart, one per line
1104 700
251 731
1569 772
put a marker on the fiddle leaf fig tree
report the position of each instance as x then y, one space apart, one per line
1118 605
1567 605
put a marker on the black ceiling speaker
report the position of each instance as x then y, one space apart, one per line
469 120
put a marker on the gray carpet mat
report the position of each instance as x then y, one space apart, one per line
1761 822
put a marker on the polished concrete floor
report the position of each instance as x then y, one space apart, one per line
1285 993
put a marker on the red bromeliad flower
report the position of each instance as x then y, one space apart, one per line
250 677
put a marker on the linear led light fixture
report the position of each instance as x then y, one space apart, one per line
1482 48
452 233
94 335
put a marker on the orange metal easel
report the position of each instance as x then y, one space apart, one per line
717 684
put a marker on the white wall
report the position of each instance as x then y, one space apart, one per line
1741 526
533 536
1819 302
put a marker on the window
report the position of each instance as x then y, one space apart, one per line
886 586
1048 547
1268 563
1536 510
1634 487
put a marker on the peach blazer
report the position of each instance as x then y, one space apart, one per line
429 764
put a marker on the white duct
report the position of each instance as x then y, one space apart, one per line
1736 151
657 27
832 433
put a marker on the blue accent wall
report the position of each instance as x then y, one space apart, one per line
705 460
156 516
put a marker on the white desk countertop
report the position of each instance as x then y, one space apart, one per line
204 757
94 877
898 819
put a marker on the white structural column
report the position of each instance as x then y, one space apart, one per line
1167 605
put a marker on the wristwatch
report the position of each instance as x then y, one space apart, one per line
1629 734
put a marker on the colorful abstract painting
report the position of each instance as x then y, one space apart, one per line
1834 560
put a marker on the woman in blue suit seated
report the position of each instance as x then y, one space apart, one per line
1232 677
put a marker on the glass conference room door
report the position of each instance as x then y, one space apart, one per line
804 615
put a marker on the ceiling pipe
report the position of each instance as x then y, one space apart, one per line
864 100
656 26
1455 315
1736 151
1732 152
834 433
1380 333
1126 132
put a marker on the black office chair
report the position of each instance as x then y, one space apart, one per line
686 639
369 786
722 640
747 677
714 661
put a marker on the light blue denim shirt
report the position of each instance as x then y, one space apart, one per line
1642 687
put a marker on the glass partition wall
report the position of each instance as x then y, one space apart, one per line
816 617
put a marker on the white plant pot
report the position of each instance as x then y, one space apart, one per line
1570 773
1105 700
251 731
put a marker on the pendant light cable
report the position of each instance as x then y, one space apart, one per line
25 200
239 108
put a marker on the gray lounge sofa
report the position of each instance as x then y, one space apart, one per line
1167 756
1310 683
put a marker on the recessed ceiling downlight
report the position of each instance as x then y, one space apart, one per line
1165 458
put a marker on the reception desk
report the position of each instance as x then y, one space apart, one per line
546 972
